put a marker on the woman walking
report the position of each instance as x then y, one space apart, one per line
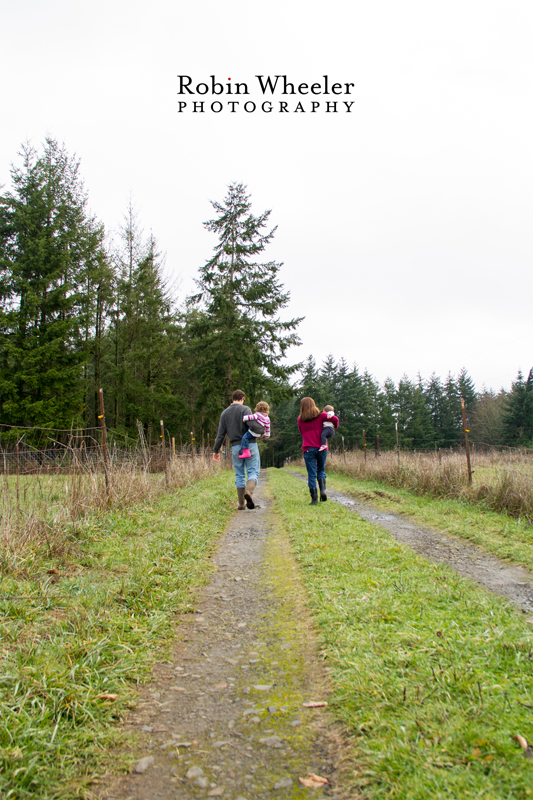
310 424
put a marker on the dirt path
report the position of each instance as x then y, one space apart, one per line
513 582
226 717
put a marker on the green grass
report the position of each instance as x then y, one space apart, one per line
432 676
499 534
66 646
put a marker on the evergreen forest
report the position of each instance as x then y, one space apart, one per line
83 309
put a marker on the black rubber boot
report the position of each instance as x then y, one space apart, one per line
322 487
240 495
314 497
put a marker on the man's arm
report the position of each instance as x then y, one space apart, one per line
221 433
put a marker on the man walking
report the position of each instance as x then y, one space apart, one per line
231 424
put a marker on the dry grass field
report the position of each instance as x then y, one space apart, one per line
500 481
43 514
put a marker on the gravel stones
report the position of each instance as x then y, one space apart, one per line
194 772
283 783
143 764
271 741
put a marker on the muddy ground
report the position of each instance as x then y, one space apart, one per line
228 716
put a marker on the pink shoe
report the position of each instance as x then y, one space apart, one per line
323 447
245 453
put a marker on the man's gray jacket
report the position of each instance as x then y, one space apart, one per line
231 424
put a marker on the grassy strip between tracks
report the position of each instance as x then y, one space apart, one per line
75 642
499 534
432 676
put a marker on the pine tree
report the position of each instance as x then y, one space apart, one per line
452 419
310 385
350 404
467 389
328 381
437 405
141 347
414 419
51 251
236 336
372 408
100 298
518 412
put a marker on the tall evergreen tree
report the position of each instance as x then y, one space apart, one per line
51 251
236 335
518 412
100 296
350 404
452 420
467 389
437 405
141 344
414 419
310 381
372 408
329 380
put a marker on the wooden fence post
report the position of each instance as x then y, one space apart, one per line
164 450
466 442
364 444
397 443
104 440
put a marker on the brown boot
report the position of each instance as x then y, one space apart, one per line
240 495
248 494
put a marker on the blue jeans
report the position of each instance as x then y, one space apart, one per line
315 463
252 465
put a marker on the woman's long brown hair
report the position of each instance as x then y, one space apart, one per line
308 409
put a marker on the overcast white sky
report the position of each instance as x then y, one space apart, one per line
404 226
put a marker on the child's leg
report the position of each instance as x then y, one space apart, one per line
245 441
327 433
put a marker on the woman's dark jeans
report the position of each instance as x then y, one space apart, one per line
315 463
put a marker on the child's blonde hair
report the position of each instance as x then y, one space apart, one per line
262 407
328 408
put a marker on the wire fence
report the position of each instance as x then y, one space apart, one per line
33 450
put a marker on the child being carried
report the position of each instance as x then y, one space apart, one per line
328 429
261 422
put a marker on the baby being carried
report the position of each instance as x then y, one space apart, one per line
262 427
328 429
